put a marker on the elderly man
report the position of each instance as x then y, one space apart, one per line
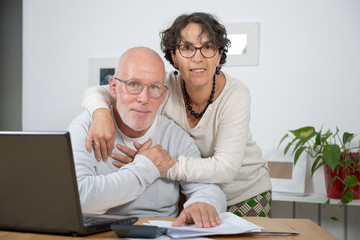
137 188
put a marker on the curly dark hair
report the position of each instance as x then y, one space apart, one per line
170 38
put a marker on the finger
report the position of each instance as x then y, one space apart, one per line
103 150
197 218
180 220
209 216
172 162
206 219
96 147
146 145
137 145
118 164
121 158
128 151
214 217
217 220
110 145
89 143
193 215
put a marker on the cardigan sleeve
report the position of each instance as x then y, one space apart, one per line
231 142
97 97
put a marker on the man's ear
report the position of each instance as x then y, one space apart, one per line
112 87
162 98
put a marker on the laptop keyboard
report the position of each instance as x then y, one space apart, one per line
88 220
97 220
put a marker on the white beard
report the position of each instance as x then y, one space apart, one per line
129 120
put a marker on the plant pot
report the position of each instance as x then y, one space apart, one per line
337 188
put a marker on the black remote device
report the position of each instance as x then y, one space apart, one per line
137 231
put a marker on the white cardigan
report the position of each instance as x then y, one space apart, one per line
229 156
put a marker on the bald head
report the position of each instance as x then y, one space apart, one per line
140 60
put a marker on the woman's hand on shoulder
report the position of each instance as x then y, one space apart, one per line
101 136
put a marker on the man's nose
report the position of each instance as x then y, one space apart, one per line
144 96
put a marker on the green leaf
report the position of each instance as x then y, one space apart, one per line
314 166
317 167
350 181
326 136
326 203
288 146
318 138
298 154
334 218
348 162
298 144
347 137
332 181
309 137
283 138
348 197
302 133
331 155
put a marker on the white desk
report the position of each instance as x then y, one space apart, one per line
308 198
289 205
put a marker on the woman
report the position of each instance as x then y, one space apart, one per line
212 107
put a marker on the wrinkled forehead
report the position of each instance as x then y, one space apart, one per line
145 72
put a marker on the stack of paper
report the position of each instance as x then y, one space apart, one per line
230 224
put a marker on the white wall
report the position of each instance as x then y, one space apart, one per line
309 71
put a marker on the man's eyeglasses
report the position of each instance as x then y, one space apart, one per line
208 50
134 86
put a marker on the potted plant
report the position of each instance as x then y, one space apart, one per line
339 158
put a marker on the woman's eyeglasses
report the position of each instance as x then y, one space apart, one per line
208 50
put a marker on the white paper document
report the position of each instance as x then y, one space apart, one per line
230 224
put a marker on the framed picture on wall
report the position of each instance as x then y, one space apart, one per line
101 70
245 41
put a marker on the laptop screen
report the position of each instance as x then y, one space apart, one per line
38 183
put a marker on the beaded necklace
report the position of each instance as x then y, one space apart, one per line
187 98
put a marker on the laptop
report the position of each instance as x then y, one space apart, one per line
38 187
